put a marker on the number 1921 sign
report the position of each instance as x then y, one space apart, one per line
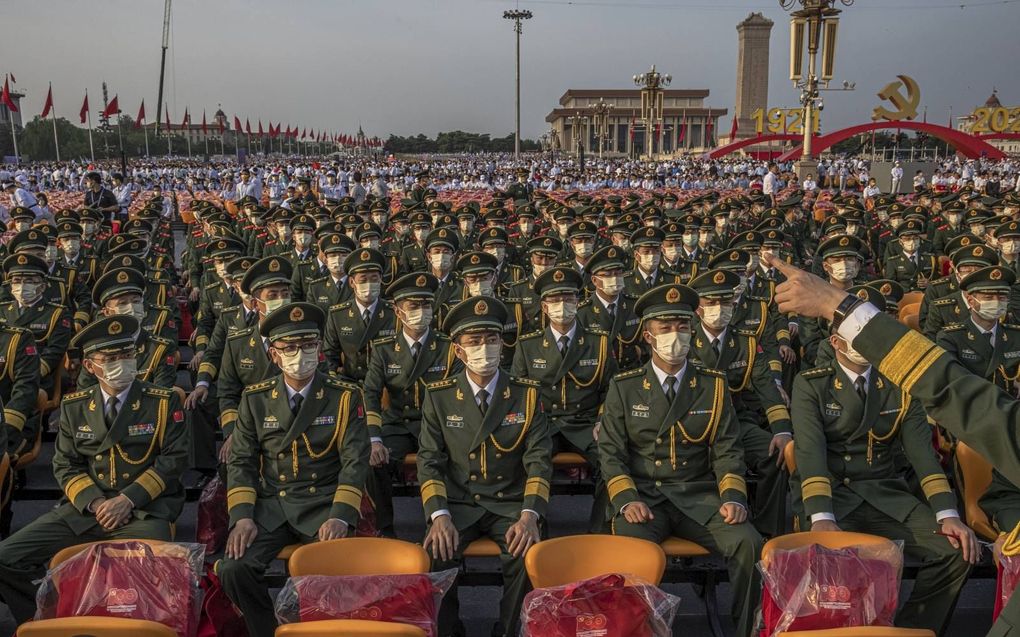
781 120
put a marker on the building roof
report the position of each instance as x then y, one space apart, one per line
993 100
628 92
636 112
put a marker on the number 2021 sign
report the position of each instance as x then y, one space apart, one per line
781 120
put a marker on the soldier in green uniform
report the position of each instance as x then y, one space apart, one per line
851 425
754 390
399 369
953 308
412 257
912 268
117 481
216 294
580 243
670 448
610 309
646 274
946 285
297 465
72 257
119 292
351 326
441 248
484 460
19 386
494 241
331 288
841 257
542 253
574 363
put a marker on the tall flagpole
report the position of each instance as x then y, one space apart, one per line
14 138
92 147
145 131
53 118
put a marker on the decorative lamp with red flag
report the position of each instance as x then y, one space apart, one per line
683 132
84 112
141 115
112 108
48 106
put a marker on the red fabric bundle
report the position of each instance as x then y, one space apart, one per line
213 518
813 587
1005 582
127 579
405 599
219 618
604 606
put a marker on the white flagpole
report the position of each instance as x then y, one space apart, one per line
53 118
145 131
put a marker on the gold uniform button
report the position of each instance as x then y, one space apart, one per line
283 494
472 456
314 476
499 477
658 441
846 458
126 476
283 478
100 476
499 455
478 497
499 494
658 463
281 456
99 457
846 481
473 477
311 489
658 483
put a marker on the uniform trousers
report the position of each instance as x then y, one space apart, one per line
740 544
379 484
769 505
25 556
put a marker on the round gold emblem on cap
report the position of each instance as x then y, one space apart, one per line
734 255
995 274
122 277
274 265
750 236
474 259
125 261
978 251
673 295
420 281
364 256
844 242
442 233
115 328
862 294
558 276
718 278
22 259
335 239
547 242
612 252
481 308
965 241
297 314
886 289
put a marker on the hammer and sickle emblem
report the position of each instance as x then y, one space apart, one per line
906 105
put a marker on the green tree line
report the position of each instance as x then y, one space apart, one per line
456 142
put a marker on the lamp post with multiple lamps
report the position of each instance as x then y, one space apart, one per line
651 84
816 21
577 122
518 16
600 118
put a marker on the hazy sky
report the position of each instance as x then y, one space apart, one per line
409 66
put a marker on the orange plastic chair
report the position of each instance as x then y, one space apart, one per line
568 459
828 539
359 556
908 309
974 476
349 628
94 627
66 554
790 458
573 558
482 547
913 321
911 298
861 631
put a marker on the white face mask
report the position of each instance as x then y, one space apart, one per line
72 247
703 238
851 228
367 292
419 319
284 234
420 234
483 359
690 240
612 285
21 226
853 355
1010 247
953 220
717 317
467 226
562 311
89 228
370 243
300 365
537 270
51 255
379 220
584 249
441 261
622 243
335 264
895 223
562 227
302 240
480 288
274 304
882 215
739 290
649 262
119 374
977 230
990 310
672 347
754 262
672 253
221 270
137 310
527 227
721 222
26 293
909 245
844 270
499 253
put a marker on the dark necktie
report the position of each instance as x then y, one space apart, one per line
250 318
415 349
365 316
483 401
859 386
989 335
716 347
295 403
670 389
111 409
611 309
564 343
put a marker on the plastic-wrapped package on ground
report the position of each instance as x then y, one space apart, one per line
213 518
130 579
813 587
1005 583
604 606
404 599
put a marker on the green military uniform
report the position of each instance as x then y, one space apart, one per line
395 387
298 459
614 315
19 386
526 306
412 256
846 449
329 290
133 445
217 294
484 463
574 370
908 269
682 458
156 363
351 327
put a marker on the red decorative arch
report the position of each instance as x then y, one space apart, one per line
733 147
970 146
999 136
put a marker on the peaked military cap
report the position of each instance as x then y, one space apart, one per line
843 245
68 229
666 302
581 229
960 241
492 235
910 227
545 245
476 314
607 258
363 260
731 260
647 235
21 212
1008 229
891 290
293 321
125 261
223 248
747 240
442 237
116 282
994 278
25 264
413 285
31 239
237 267
717 283
869 294
108 334
336 243
975 254
267 271
557 280
367 229
137 226
477 263
130 246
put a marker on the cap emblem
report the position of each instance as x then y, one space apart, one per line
474 259
274 266
122 277
862 294
995 274
297 314
718 278
673 295
979 251
886 289
844 242
364 256
558 276
481 308
22 259
116 327
420 281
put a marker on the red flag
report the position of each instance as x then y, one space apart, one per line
186 120
683 131
219 124
237 124
84 112
48 106
14 81
8 102
169 127
272 133
247 125
205 128
141 115
261 133
733 128
708 130
112 108
304 133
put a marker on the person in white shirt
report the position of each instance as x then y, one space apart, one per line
21 197
897 176
771 184
249 187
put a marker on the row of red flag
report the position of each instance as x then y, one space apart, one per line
113 108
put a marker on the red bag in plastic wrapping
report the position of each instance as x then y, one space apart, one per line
219 618
404 599
367 526
128 579
213 518
1005 582
813 587
603 606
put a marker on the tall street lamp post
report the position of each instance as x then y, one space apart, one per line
601 121
651 84
518 16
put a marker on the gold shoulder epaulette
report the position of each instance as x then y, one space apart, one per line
757 298
1012 326
949 300
818 372
954 327
941 281
160 339
382 341
529 382
708 371
441 384
78 395
339 383
340 306
586 302
59 306
262 386
630 373
744 332
531 335
248 331
210 286
156 390
598 331
317 279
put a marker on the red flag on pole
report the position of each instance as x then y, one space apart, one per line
261 133
708 130
683 131
8 102
169 127
112 108
14 81
733 128
237 124
186 120
304 133
219 124
84 112
247 125
141 115
272 132
205 128
48 106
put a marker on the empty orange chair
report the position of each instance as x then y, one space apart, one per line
910 298
574 558
359 556
94 627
